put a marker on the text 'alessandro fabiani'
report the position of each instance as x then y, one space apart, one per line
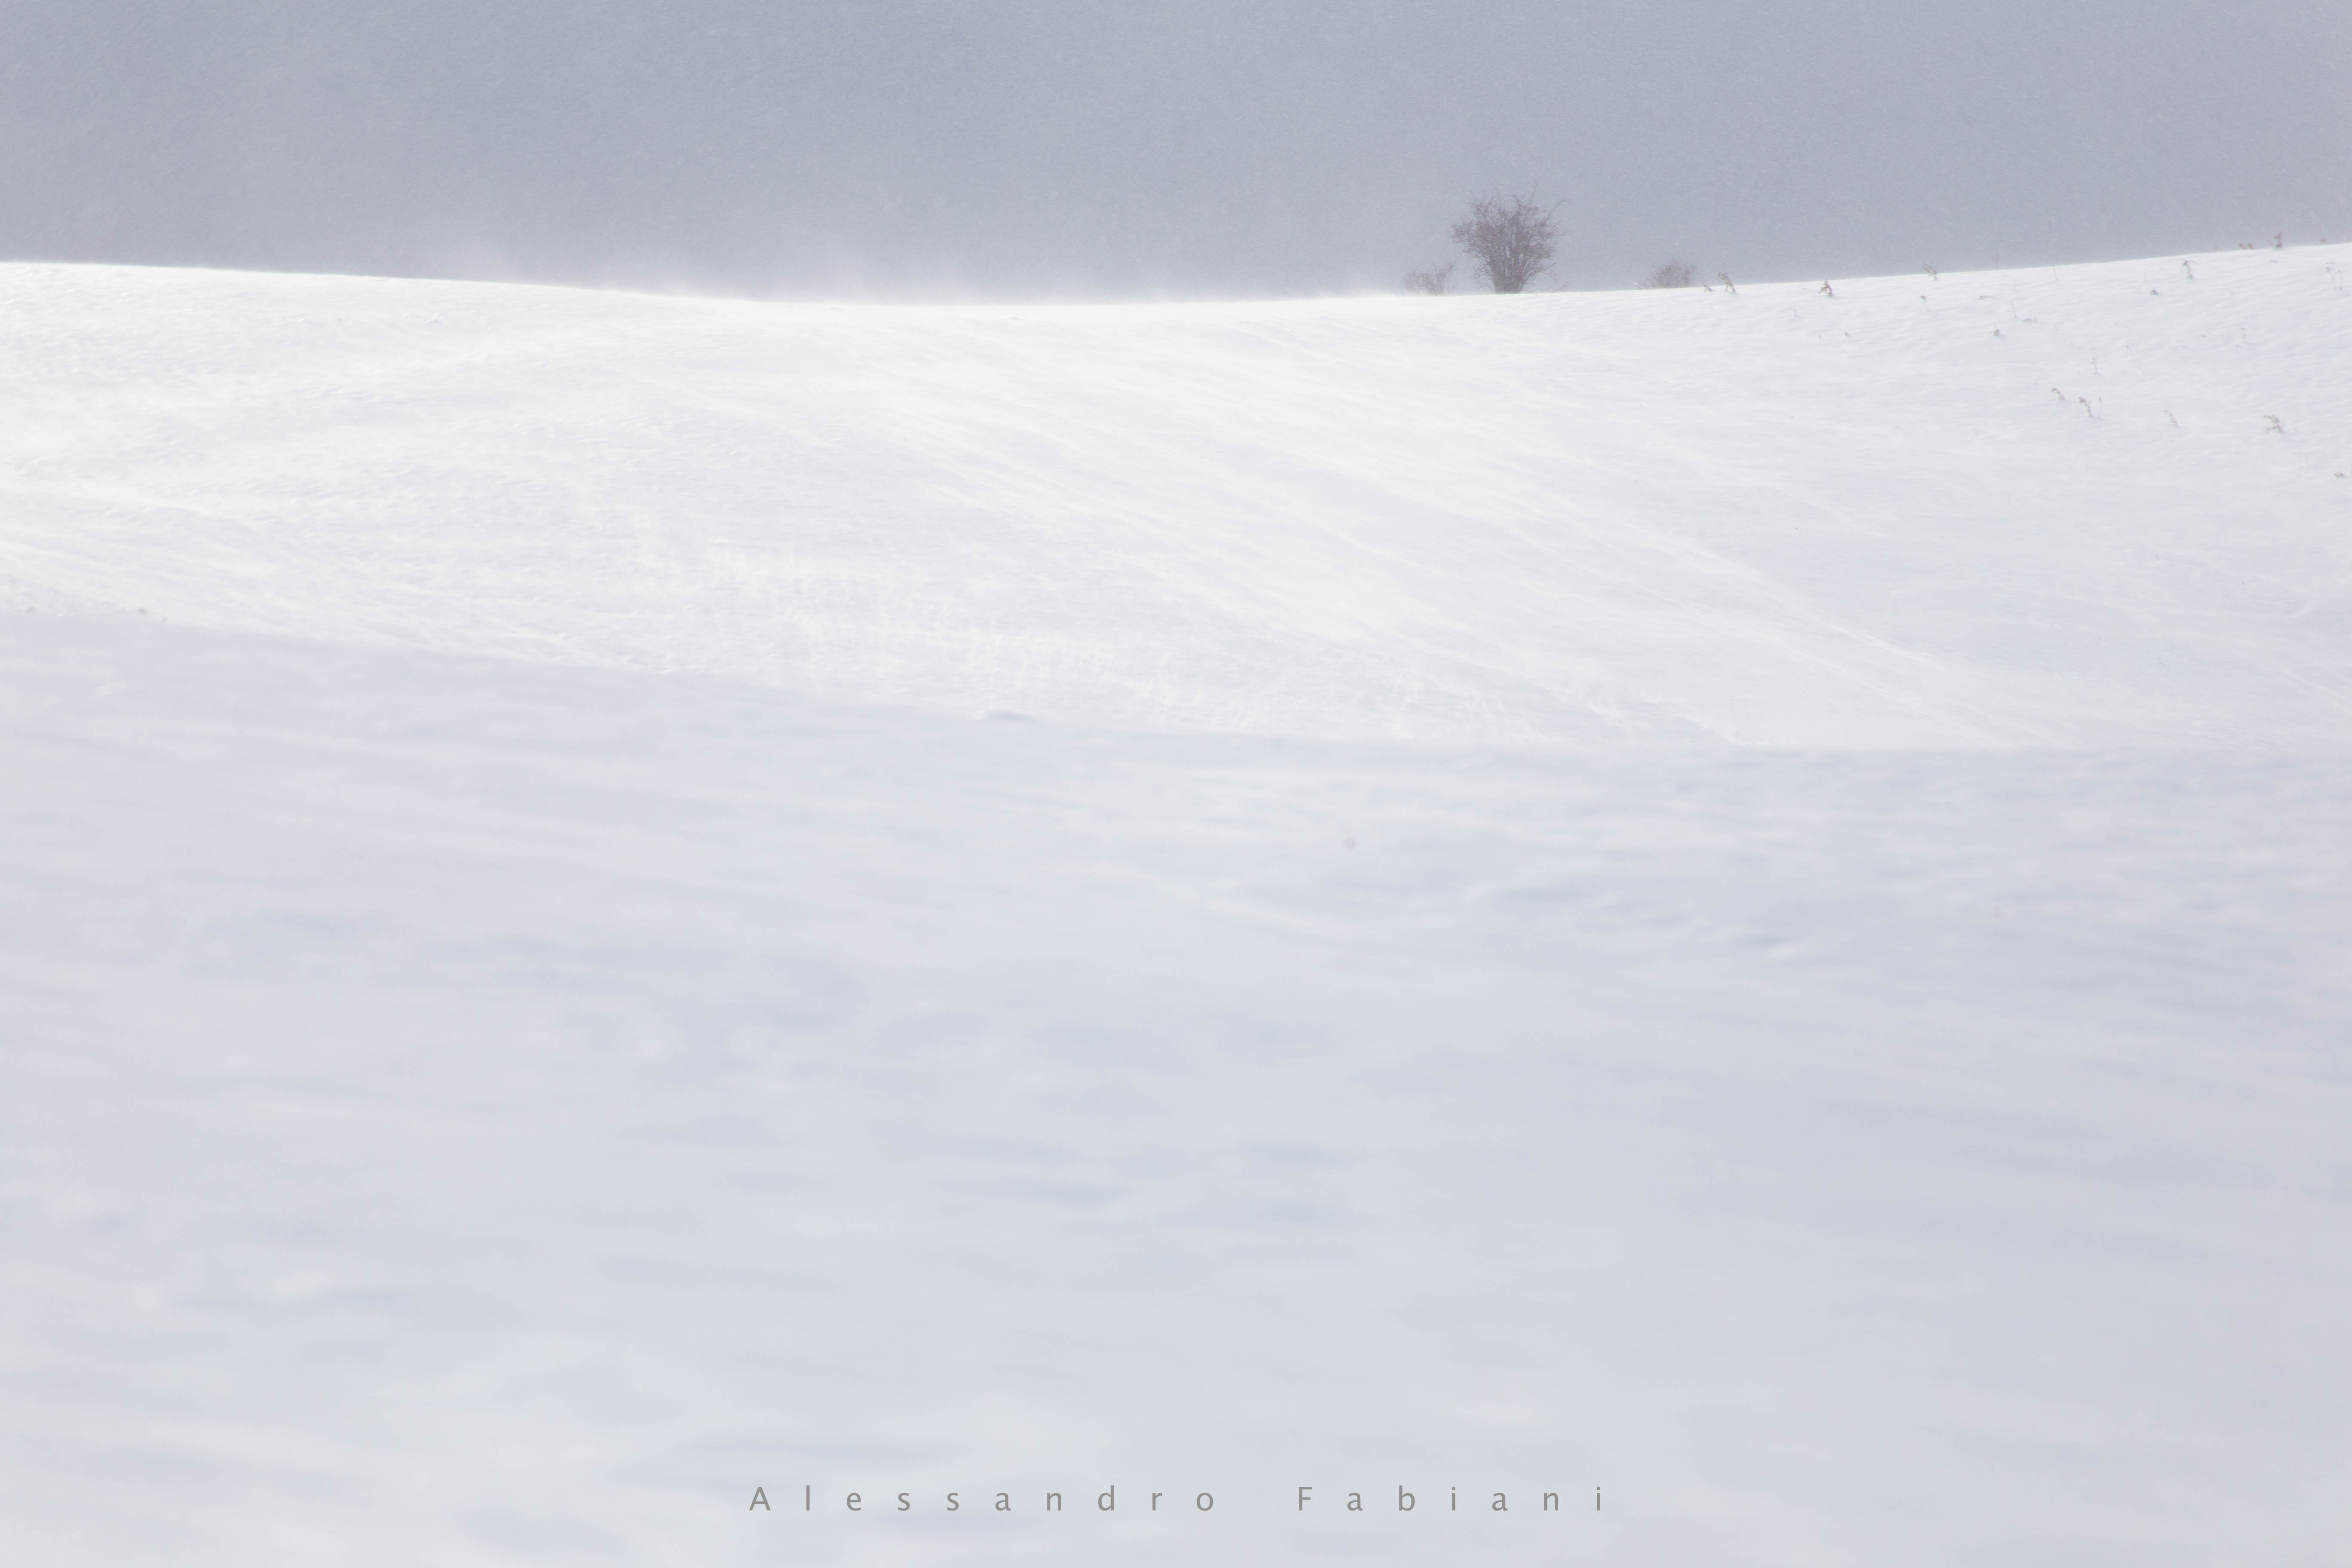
1303 1499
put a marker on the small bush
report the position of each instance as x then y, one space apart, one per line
1673 275
1431 281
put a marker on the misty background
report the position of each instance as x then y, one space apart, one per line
1216 147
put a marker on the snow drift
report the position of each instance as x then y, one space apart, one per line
1738 898
2042 509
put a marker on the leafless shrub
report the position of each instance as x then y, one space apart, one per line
1673 275
1511 240
1432 280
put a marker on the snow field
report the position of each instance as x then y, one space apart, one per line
1623 890
1770 517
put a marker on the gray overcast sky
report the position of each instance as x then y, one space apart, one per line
1273 146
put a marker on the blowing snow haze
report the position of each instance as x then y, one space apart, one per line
1214 147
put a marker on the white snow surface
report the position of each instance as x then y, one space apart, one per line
1743 898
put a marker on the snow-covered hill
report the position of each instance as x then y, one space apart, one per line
2023 509
1738 898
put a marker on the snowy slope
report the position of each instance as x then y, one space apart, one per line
1772 517
1732 899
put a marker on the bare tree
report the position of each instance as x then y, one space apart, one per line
1432 281
1673 275
1511 240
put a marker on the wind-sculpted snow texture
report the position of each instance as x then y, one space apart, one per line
1738 898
